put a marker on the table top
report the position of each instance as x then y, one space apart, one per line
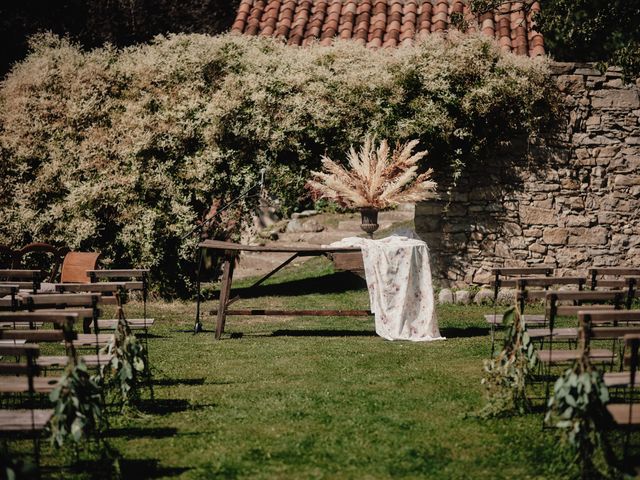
317 249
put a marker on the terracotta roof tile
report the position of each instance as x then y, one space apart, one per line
244 9
386 23
270 18
424 19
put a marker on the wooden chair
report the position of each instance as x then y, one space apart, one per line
112 288
505 277
30 421
26 326
625 415
530 289
31 256
618 279
502 278
550 357
586 299
612 325
74 301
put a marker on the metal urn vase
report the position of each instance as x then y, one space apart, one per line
369 220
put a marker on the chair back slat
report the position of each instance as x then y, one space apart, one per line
18 350
76 265
57 318
135 273
81 313
38 335
510 271
61 300
18 369
612 316
100 287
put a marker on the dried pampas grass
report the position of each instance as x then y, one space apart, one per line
376 178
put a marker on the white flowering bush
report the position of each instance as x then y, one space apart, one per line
122 150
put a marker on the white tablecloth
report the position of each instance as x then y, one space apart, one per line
400 287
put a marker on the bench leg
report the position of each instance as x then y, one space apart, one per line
225 290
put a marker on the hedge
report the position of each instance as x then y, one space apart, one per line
121 150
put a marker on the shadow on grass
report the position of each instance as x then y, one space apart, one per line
164 406
128 468
323 333
332 283
172 382
131 468
141 334
138 432
466 332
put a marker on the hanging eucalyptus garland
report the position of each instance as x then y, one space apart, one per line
78 412
505 376
577 409
128 360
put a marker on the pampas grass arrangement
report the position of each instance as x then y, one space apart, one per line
376 178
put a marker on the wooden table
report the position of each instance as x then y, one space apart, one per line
229 251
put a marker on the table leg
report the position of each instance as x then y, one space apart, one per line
225 289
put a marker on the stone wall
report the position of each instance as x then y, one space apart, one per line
572 205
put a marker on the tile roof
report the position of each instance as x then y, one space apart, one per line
385 23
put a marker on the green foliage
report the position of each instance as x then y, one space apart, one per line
121 151
593 30
577 409
585 30
128 361
78 412
506 376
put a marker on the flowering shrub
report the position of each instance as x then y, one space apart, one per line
123 150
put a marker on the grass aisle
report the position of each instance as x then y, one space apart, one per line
322 398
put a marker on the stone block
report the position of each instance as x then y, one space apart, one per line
606 152
532 232
632 140
607 218
587 71
613 83
506 296
429 208
297 226
445 296
462 297
502 250
561 68
616 99
428 223
483 297
626 180
570 257
482 276
510 228
537 248
593 120
592 140
570 83
537 216
555 236
577 221
589 236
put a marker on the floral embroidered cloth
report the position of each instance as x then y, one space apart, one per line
400 288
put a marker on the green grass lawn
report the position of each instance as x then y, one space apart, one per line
319 398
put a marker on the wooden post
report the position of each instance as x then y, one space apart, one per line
225 289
